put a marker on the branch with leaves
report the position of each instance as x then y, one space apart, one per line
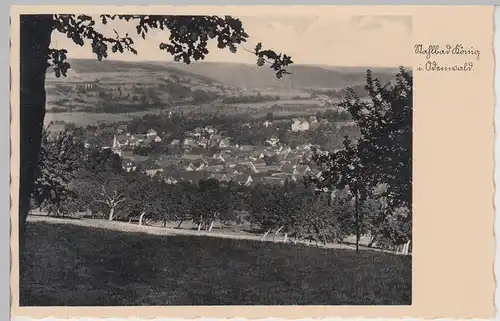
187 40
60 158
380 157
385 123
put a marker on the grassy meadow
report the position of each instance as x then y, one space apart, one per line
67 265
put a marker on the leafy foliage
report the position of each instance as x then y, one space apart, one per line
316 220
270 206
342 169
178 203
59 160
278 62
142 196
388 228
377 168
102 161
213 203
187 40
385 123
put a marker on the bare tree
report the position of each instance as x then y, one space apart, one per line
111 199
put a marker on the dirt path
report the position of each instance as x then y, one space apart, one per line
127 227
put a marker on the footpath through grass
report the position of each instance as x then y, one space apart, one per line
69 265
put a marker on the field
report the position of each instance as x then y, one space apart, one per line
77 266
304 107
83 119
121 90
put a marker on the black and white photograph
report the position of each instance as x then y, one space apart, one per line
215 160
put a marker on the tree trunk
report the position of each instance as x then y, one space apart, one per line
356 205
286 238
264 236
201 222
180 223
164 222
211 226
277 232
35 31
372 241
141 217
111 214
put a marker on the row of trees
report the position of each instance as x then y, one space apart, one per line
244 99
338 93
75 179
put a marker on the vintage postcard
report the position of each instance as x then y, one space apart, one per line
252 161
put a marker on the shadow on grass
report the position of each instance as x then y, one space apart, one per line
62 217
68 265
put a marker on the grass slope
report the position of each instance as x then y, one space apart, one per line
76 266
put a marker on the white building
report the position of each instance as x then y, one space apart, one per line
299 124
273 141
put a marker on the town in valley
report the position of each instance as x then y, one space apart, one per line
223 173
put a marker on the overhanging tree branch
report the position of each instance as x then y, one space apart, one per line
188 38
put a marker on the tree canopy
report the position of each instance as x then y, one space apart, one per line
188 37
377 167
59 161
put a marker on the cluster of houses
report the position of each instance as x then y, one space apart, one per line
272 163
232 164
123 141
87 85
302 124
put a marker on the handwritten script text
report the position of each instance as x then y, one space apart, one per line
432 53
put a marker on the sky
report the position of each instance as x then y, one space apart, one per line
356 40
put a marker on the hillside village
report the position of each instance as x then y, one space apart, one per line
206 153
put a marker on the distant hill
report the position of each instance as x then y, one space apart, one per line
86 68
303 76
118 86
111 86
